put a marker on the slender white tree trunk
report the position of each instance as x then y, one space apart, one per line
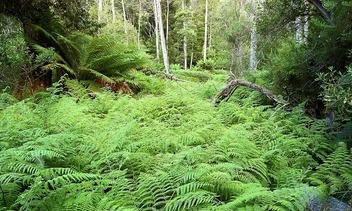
124 20
299 29
100 9
162 38
205 31
305 29
167 22
253 49
113 11
156 30
210 34
184 38
306 24
139 25
253 62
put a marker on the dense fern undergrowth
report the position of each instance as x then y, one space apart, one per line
167 148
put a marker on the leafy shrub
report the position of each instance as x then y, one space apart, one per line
337 93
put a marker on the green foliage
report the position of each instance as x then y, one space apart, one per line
285 72
334 175
208 64
293 65
337 93
169 151
88 58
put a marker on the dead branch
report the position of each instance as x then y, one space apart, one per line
227 92
173 78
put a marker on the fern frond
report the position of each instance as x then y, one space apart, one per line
190 201
336 171
251 193
21 167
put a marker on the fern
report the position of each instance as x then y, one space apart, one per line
335 173
167 150
175 190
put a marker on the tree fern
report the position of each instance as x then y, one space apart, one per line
88 58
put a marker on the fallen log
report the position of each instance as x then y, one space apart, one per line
227 92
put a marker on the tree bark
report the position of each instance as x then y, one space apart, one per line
113 11
162 38
205 31
305 29
100 10
227 92
156 30
253 62
299 30
167 23
319 5
253 47
124 19
139 25
184 38
306 24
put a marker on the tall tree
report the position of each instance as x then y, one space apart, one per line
156 28
113 11
139 24
124 18
184 38
253 43
205 31
100 10
162 37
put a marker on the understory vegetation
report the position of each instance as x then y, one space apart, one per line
171 150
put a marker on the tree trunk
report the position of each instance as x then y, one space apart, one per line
233 56
305 29
113 11
162 38
253 46
124 19
306 24
210 33
139 25
299 30
100 9
253 62
191 62
319 5
205 31
184 38
167 23
156 30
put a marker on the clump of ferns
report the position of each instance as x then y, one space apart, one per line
31 179
253 196
334 175
179 188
